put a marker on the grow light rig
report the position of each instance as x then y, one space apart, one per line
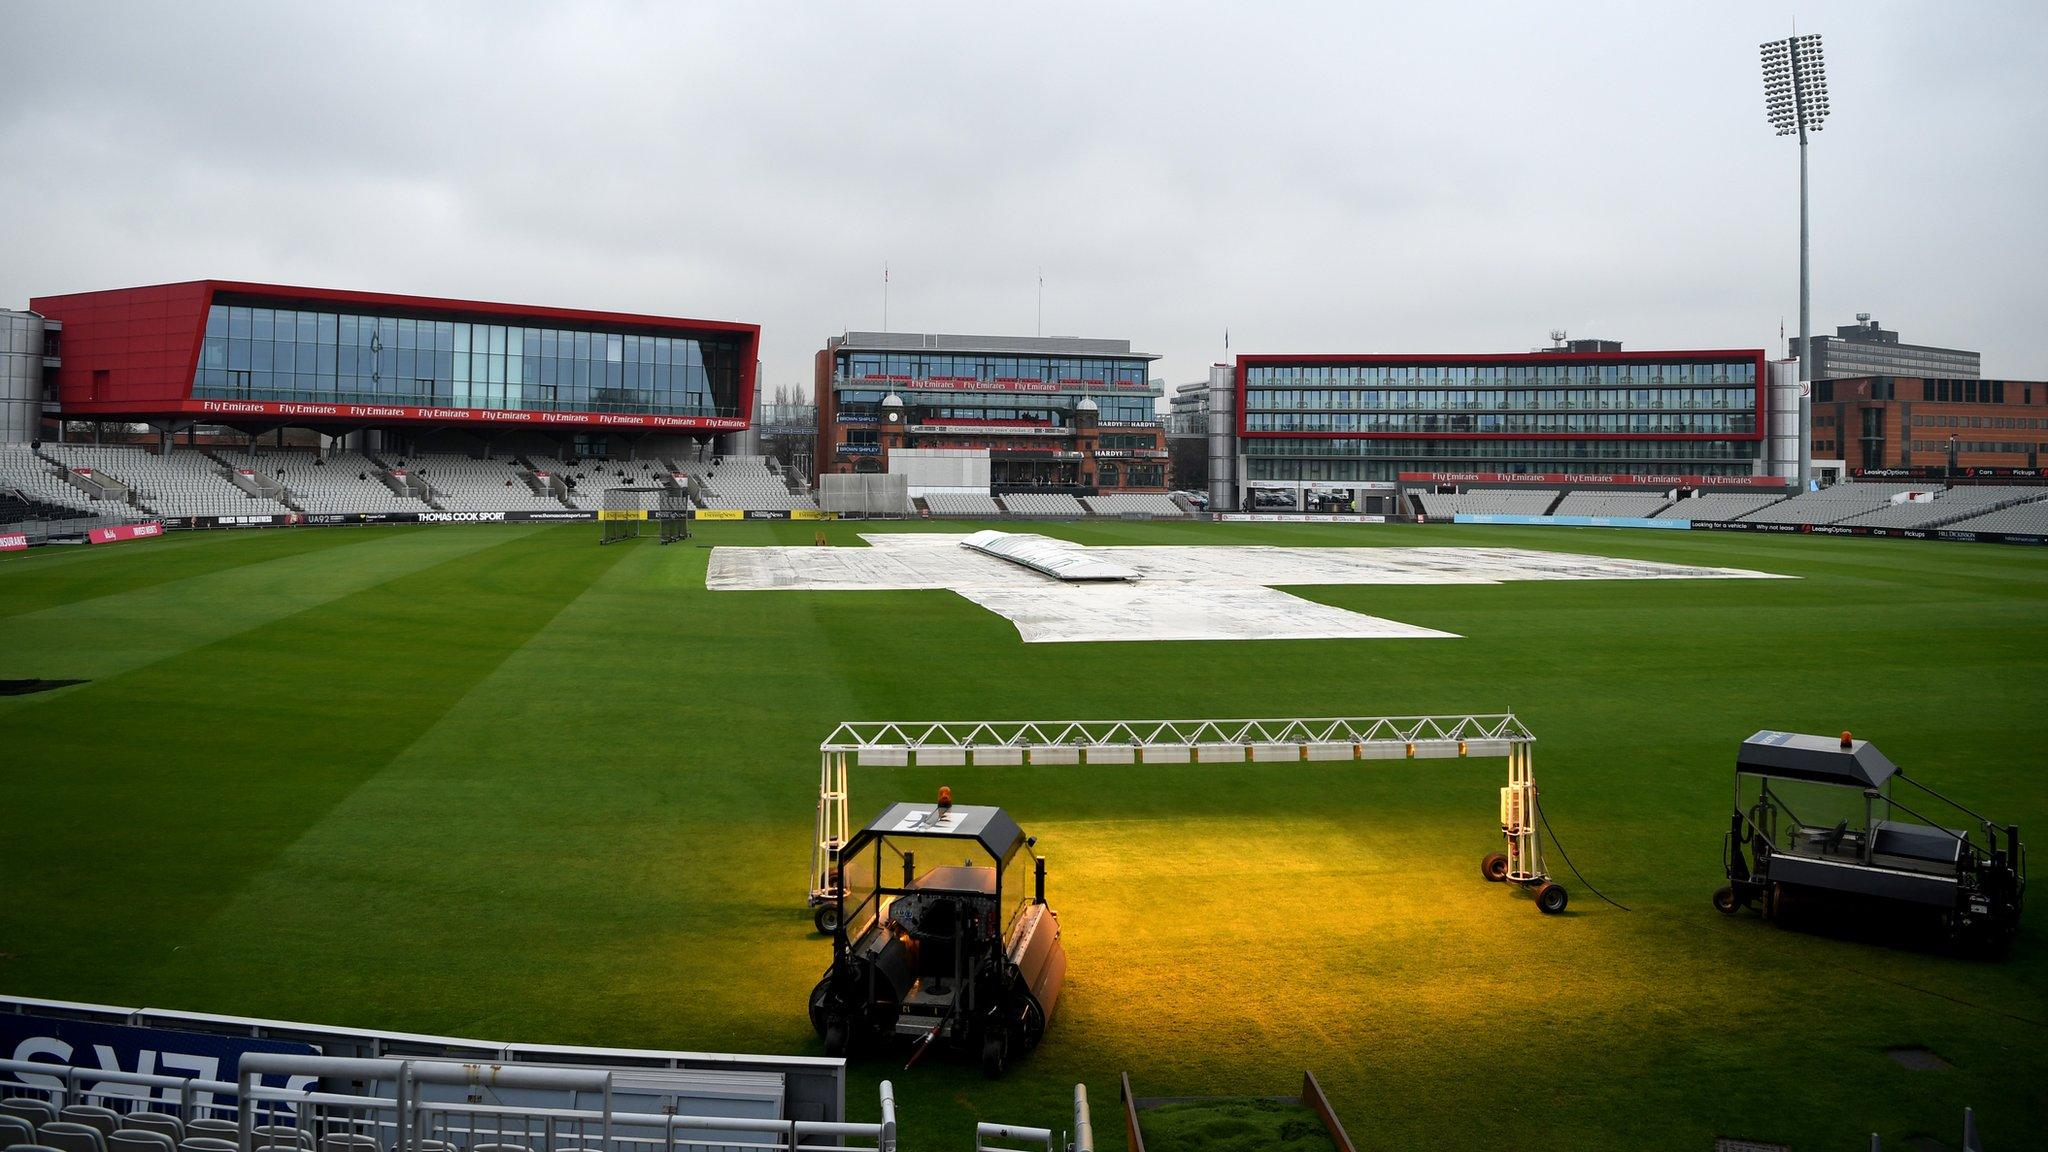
1014 743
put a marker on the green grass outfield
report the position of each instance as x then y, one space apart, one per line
498 781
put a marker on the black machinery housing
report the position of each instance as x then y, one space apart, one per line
1848 838
938 952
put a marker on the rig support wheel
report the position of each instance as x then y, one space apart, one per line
1494 867
1551 898
826 918
1726 903
995 1053
837 1034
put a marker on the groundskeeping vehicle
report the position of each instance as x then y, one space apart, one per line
935 952
1829 815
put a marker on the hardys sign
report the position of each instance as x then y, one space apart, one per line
129 1048
125 532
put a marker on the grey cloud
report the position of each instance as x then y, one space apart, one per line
1316 177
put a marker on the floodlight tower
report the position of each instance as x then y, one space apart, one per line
1796 101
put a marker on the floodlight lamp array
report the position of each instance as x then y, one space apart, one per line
1795 84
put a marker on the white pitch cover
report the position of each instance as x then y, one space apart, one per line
1059 592
1055 558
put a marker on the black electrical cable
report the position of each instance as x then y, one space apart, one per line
1545 818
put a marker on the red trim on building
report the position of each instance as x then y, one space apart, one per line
140 346
296 412
1620 479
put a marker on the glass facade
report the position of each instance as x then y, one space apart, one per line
969 368
1530 420
1373 421
252 352
943 385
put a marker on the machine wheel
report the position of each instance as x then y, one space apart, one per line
1726 903
837 1036
826 918
1551 898
995 1053
819 996
1494 867
1033 1025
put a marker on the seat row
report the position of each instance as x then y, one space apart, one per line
36 1125
28 1124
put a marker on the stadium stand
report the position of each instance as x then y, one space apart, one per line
1133 503
182 482
478 484
748 482
962 504
344 1094
1715 507
16 508
588 479
1042 504
1946 507
34 482
342 482
1609 504
2030 518
1829 505
1491 501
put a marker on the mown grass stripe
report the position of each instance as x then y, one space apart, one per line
45 578
117 630
157 794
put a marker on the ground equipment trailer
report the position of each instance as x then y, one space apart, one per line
937 952
1200 743
1824 814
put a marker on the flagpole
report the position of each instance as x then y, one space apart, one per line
885 297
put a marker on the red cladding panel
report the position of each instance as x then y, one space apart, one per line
128 345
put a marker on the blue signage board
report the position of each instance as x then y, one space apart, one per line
132 1048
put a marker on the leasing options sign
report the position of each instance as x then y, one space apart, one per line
131 1048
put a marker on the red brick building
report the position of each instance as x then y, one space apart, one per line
1883 423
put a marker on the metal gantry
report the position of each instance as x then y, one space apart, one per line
1013 743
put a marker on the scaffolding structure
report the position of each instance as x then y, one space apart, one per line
1013 743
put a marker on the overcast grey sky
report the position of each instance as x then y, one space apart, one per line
1314 177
